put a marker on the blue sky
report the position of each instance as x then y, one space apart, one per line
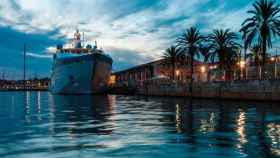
131 31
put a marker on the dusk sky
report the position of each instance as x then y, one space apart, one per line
131 31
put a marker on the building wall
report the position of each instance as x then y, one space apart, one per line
248 90
139 74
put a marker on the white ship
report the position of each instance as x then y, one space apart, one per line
80 70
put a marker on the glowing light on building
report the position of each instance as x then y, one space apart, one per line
112 80
213 67
177 72
242 64
202 69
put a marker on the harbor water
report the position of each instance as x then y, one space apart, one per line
39 124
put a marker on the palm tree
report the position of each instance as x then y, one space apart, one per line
204 50
262 25
224 48
257 57
171 56
190 42
255 54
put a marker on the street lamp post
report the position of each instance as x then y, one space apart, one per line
24 66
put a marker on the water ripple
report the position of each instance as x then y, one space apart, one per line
45 125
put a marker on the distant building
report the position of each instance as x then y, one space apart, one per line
31 84
203 72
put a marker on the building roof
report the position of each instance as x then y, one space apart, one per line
139 66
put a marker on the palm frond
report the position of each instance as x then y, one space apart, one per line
263 24
223 47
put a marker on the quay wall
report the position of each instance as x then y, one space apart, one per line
243 90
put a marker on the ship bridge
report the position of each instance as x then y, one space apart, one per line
77 46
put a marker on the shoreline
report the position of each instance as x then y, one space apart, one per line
196 98
265 90
22 90
255 90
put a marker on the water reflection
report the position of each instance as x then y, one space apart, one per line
241 130
83 114
128 126
27 106
274 135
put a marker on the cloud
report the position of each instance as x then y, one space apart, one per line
35 55
127 30
11 52
126 58
138 25
51 50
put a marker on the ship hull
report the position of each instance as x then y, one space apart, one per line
85 74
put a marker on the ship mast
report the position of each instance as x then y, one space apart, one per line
83 44
24 61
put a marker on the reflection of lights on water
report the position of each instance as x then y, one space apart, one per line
27 99
178 119
111 105
203 126
208 125
39 105
27 106
273 132
112 100
112 110
241 129
51 113
52 104
39 100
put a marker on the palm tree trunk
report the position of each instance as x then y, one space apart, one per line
191 84
245 67
264 57
173 71
258 66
